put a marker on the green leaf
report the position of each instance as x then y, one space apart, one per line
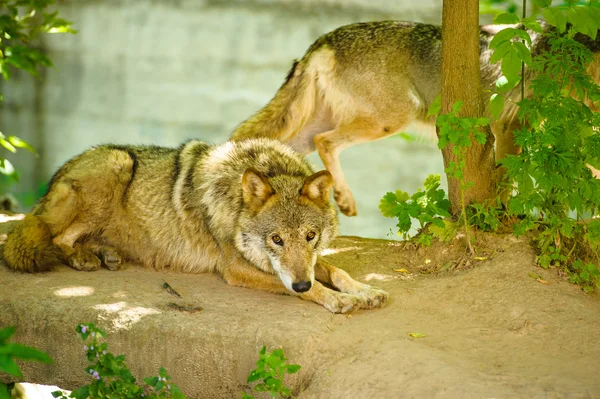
432 182
533 24
25 353
436 105
151 381
81 393
253 376
437 222
401 196
506 18
293 368
496 105
17 142
456 107
4 391
522 52
500 52
387 205
588 21
6 144
523 35
6 333
556 18
542 3
511 65
505 34
8 365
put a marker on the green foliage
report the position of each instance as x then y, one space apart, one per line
111 377
427 205
485 218
497 6
10 351
270 370
459 133
11 143
551 180
512 46
587 275
21 23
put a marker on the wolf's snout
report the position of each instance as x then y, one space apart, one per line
302 286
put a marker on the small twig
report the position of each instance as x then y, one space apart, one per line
170 290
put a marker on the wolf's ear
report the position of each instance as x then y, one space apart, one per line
317 187
256 189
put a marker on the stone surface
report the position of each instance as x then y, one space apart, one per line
490 329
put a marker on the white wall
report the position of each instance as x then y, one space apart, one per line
162 71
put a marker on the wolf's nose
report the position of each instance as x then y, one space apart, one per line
302 286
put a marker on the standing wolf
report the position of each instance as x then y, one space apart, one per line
367 81
253 212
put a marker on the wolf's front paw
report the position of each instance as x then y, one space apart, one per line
345 202
339 302
372 297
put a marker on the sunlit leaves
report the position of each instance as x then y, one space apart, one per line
21 23
506 18
427 205
270 370
111 378
11 351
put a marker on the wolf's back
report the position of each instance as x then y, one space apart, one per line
29 247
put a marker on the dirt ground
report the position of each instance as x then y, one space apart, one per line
491 329
495 326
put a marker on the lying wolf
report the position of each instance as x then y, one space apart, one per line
366 81
253 212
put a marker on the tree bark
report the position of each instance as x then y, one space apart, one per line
461 81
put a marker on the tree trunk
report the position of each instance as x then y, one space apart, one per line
461 81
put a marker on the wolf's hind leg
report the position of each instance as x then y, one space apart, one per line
78 256
371 297
331 143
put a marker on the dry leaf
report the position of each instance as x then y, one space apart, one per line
417 335
543 281
480 257
401 270
427 261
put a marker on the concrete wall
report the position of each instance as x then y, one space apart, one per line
162 71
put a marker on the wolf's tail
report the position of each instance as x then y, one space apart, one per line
288 111
29 247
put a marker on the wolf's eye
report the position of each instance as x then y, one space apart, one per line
310 235
277 240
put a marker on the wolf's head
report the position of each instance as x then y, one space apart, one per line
284 223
